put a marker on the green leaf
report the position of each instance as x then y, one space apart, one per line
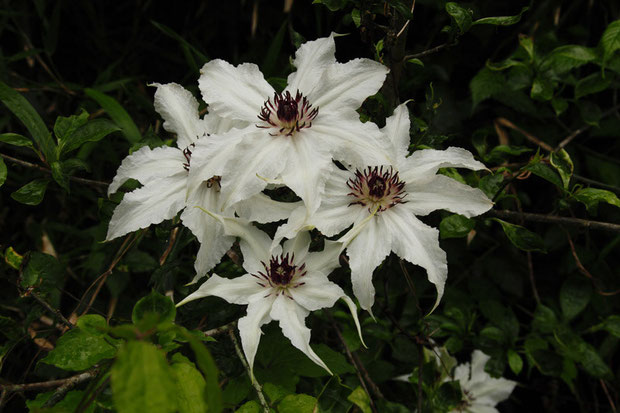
141 380
356 17
275 47
79 349
591 197
593 83
491 183
190 388
416 62
249 407
3 171
65 126
575 295
515 361
68 404
612 325
486 84
545 320
93 323
32 193
118 114
30 118
171 33
565 58
563 164
559 105
297 403
590 112
59 175
527 44
542 89
455 226
501 20
93 131
593 364
522 238
16 140
274 392
361 399
610 40
39 267
461 16
153 309
12 258
545 172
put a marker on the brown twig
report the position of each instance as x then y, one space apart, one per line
429 51
49 171
67 382
530 268
584 128
171 241
528 136
609 399
255 384
51 309
552 219
220 330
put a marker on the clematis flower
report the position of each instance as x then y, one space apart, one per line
283 284
164 174
294 134
382 201
481 392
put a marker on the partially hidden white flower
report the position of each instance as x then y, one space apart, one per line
163 173
284 284
292 136
481 392
382 201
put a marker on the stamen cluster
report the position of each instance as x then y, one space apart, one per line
187 152
375 188
287 113
281 273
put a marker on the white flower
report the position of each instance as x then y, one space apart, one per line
282 284
164 172
292 136
382 203
481 392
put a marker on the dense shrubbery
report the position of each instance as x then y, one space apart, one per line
88 325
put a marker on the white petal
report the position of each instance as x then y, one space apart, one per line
486 389
367 250
298 246
397 130
479 408
158 200
179 108
215 124
344 86
326 261
424 164
317 292
307 166
146 164
442 192
297 222
311 60
416 242
234 92
209 231
260 208
250 325
235 291
350 140
292 322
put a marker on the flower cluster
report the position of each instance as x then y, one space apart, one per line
349 175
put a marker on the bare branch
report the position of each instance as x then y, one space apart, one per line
255 383
552 219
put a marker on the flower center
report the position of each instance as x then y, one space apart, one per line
214 182
376 189
281 273
287 113
187 152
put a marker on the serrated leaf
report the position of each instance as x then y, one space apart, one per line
361 399
154 309
515 361
118 114
501 20
79 349
565 58
575 295
93 131
297 403
190 388
30 118
591 84
563 164
462 17
455 226
141 380
610 40
545 172
591 197
522 238
486 84
3 171
32 193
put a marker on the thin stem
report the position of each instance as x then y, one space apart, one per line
429 51
552 219
584 128
530 267
255 383
44 385
49 171
52 310
220 330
